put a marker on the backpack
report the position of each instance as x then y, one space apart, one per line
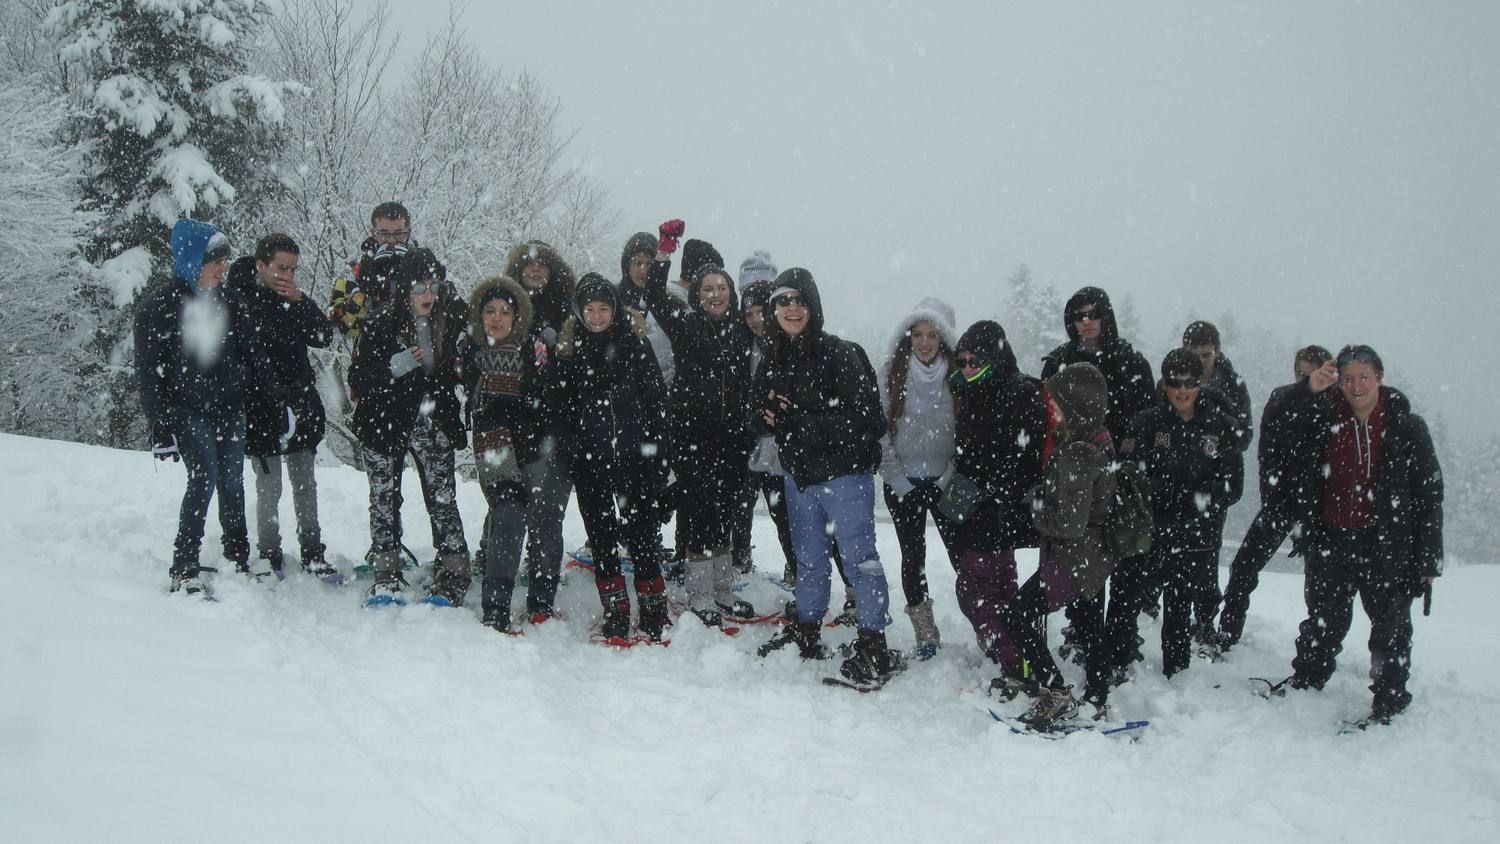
1127 529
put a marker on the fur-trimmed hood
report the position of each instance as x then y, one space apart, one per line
552 303
627 320
477 301
930 309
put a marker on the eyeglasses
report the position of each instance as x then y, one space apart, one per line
388 234
1082 316
789 300
429 286
1181 383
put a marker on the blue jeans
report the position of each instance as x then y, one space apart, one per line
213 450
843 511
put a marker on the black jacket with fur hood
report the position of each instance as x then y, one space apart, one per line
606 391
388 406
551 305
1127 372
834 425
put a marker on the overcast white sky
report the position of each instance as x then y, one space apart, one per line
1332 169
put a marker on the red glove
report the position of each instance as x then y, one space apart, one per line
670 231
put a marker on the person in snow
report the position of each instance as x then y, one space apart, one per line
818 394
1285 484
1094 338
917 451
1186 448
549 284
1374 527
711 442
287 427
502 389
636 259
1069 510
1002 423
405 371
360 294
756 274
605 389
196 359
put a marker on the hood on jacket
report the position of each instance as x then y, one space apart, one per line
697 281
930 309
1082 395
640 243
414 266
540 252
1091 296
192 241
575 335
985 340
513 292
800 281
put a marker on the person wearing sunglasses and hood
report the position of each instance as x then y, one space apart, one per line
1094 338
1002 423
1187 448
709 404
604 389
406 374
197 359
818 394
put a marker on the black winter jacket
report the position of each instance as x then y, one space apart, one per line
1227 381
1289 481
710 394
388 407
1126 371
1408 492
605 390
835 423
1195 471
175 385
1002 423
285 330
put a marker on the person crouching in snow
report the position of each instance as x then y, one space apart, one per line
405 374
1069 510
817 393
917 452
711 346
1002 423
196 357
605 389
503 395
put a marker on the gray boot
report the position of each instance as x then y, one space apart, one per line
724 574
928 640
699 582
450 580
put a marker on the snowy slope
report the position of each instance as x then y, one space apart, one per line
291 713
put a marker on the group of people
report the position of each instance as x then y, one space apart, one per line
649 397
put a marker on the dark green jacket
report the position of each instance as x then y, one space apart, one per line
1078 487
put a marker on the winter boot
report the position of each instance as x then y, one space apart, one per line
743 564
615 599
806 635
1073 648
847 617
450 580
789 575
389 588
189 582
872 663
699 580
723 586
655 618
494 600
1054 704
1014 682
925 626
316 564
274 557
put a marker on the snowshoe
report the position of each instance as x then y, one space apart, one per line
872 662
736 610
847 616
1008 688
1050 707
806 636
191 583
389 589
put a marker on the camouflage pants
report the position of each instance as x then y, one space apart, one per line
433 456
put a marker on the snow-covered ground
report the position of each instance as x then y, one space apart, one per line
291 713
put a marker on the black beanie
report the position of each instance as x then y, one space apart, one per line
1181 362
697 254
498 292
755 293
984 339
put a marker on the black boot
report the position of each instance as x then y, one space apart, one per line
615 599
495 594
872 662
807 636
655 617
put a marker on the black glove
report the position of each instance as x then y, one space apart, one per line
164 443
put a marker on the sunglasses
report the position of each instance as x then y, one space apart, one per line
968 361
789 300
1181 383
1355 357
429 287
1082 316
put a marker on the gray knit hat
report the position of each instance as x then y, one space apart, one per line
757 267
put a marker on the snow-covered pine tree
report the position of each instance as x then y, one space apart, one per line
174 126
1031 318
